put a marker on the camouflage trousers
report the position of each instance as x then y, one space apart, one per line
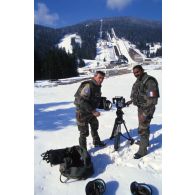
83 122
144 129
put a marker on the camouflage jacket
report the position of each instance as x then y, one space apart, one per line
87 97
145 92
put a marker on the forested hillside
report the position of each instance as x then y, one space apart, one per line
137 31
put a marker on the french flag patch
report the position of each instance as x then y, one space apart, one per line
152 94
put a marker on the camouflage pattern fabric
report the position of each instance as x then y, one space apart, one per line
87 99
83 123
145 95
145 92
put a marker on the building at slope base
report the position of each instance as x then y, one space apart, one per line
116 50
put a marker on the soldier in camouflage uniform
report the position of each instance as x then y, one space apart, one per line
87 99
144 95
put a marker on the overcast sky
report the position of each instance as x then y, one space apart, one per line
60 13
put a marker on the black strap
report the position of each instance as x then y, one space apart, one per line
65 181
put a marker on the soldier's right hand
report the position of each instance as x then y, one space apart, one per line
95 113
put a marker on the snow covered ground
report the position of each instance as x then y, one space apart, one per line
66 42
55 127
88 71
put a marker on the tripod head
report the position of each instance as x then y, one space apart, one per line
120 103
119 113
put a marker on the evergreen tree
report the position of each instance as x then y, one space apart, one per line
81 63
159 52
57 64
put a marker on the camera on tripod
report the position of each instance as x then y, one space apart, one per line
105 104
119 101
116 132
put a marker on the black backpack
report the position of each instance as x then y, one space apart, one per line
75 162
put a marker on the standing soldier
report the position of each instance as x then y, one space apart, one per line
144 95
87 99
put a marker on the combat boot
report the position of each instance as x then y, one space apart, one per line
137 156
99 144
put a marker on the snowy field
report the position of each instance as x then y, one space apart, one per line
55 127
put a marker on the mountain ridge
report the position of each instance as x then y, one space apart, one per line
132 19
135 30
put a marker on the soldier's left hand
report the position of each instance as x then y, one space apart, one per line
142 117
95 113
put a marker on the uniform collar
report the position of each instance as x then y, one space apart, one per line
95 83
143 76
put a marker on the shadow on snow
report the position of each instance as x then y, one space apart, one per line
52 120
155 143
111 187
100 162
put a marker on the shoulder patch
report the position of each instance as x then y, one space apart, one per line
86 90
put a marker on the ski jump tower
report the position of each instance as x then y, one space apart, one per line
113 49
121 47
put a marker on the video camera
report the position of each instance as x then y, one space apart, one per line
119 101
105 104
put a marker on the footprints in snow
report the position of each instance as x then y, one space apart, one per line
124 157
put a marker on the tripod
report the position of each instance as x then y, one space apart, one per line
116 132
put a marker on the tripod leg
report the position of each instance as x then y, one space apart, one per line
117 138
114 129
130 138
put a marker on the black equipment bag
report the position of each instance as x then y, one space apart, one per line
55 157
140 188
95 187
75 162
